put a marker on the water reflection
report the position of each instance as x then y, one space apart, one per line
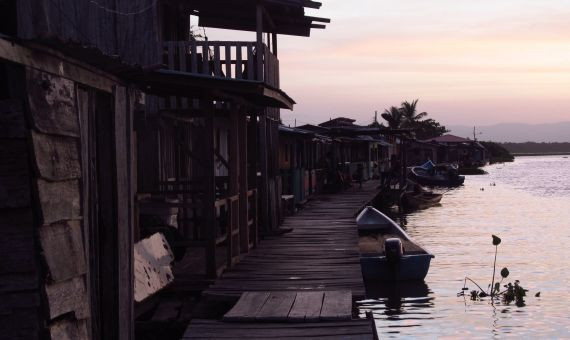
529 209
398 304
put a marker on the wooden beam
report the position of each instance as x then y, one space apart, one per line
210 194
268 19
259 42
233 170
125 244
274 42
263 155
243 178
50 61
318 19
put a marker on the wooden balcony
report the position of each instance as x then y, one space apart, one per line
224 59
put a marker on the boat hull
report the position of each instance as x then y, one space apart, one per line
410 268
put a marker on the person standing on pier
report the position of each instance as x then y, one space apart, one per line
360 174
395 169
384 172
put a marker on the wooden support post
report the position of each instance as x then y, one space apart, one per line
274 43
209 226
259 42
234 162
124 201
243 179
264 189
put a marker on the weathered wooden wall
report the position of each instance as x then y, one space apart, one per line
20 271
55 152
45 273
134 37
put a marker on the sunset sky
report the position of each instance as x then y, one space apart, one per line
469 62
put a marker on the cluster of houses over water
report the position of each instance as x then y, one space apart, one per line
135 158
336 153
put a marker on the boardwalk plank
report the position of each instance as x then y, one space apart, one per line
247 307
307 307
277 307
337 306
319 254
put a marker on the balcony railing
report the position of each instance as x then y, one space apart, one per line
228 59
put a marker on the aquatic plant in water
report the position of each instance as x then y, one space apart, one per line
512 291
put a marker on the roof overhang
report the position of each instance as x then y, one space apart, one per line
281 16
176 83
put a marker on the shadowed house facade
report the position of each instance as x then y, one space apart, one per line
117 124
464 151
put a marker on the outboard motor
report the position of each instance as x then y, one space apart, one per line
394 250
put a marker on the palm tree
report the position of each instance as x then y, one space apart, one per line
394 117
409 114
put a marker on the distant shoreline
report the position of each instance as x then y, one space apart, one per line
562 153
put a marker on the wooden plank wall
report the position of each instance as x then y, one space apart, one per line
133 37
43 265
56 154
19 267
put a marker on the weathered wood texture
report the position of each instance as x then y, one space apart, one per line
68 296
292 307
59 200
20 302
66 329
124 200
52 104
57 158
133 37
55 154
62 245
320 254
209 329
153 272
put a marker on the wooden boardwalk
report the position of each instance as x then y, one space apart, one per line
210 329
320 254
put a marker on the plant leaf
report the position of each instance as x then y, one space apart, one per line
497 286
496 240
504 272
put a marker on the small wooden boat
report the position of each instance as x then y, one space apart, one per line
446 175
387 252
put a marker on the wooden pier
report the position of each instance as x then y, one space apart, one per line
320 254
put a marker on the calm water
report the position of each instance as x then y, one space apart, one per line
529 208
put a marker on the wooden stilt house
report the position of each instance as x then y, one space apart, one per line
115 124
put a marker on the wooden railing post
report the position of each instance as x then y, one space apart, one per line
210 193
258 62
243 185
234 189
259 42
263 159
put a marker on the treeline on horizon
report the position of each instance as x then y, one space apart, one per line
535 147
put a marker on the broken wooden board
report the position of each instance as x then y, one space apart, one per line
153 271
288 306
